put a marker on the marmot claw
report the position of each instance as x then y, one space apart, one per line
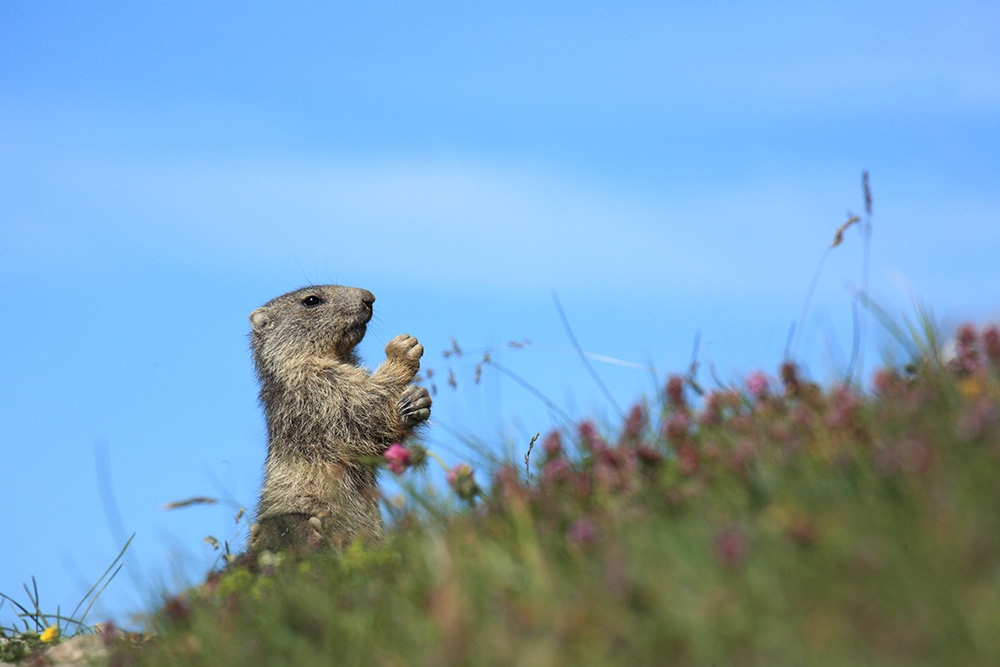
414 405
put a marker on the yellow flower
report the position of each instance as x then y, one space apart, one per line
50 633
972 387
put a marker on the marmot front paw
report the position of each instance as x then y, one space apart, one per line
405 349
414 405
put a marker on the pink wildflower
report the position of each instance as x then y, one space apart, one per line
967 335
732 545
589 438
398 458
107 631
886 381
635 423
757 384
687 459
461 479
581 531
711 414
790 378
675 392
507 481
991 341
845 408
678 427
552 444
556 471
966 359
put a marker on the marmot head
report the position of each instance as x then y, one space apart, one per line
322 320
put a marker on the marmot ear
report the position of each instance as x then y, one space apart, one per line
261 319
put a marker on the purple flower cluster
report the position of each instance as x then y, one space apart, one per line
693 442
976 351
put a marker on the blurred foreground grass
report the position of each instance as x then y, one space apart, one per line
776 522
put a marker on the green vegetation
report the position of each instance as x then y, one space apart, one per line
40 629
776 522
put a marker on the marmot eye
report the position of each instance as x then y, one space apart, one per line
311 301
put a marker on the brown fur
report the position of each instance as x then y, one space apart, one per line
328 418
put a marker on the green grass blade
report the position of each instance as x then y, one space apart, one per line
120 555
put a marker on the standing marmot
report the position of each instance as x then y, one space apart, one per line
327 417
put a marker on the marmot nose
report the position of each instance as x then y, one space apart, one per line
367 298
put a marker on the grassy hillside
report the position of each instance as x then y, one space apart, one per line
772 523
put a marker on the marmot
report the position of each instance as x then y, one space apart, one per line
328 418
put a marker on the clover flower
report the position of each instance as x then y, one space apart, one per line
581 531
966 354
711 413
678 427
589 439
634 424
991 342
886 381
675 392
398 457
757 384
507 481
845 408
460 478
732 545
556 471
552 445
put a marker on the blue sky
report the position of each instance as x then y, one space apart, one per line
665 169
